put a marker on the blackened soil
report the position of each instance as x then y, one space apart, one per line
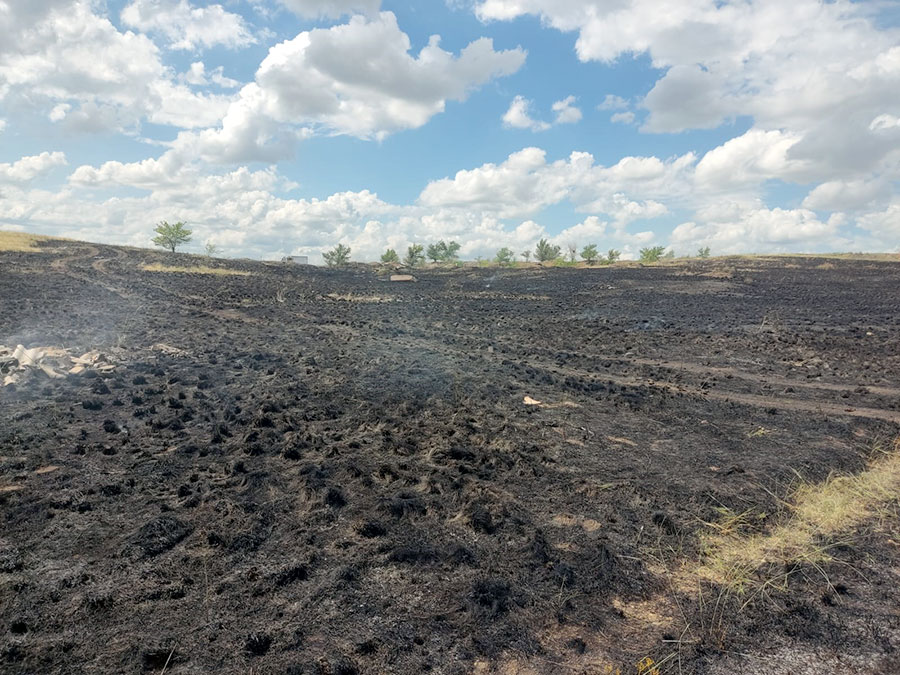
306 471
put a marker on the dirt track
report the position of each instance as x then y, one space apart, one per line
306 471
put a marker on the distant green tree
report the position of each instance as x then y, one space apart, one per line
545 251
171 236
338 256
589 253
526 255
443 252
505 256
452 251
210 249
434 252
414 256
652 254
613 255
670 255
703 252
390 256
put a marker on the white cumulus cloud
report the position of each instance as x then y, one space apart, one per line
751 227
358 79
28 168
566 111
750 159
824 74
626 117
186 26
884 224
525 183
331 9
613 102
63 54
518 116
197 76
839 195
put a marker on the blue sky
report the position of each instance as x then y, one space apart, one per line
287 126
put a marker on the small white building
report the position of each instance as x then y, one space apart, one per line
296 259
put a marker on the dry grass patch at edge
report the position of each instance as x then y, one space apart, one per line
21 242
819 513
351 297
199 269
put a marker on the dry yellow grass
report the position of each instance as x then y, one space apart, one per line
350 297
876 257
20 241
199 269
872 257
819 514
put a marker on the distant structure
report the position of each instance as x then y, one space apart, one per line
296 259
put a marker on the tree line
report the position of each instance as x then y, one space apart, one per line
544 252
172 236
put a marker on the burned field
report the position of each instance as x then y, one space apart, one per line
516 471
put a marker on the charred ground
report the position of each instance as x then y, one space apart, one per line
308 471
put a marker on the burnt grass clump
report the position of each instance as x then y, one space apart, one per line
313 471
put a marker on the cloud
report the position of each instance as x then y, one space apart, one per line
747 160
526 183
19 17
243 135
518 116
625 210
196 75
884 123
356 79
613 102
331 9
188 27
690 97
825 74
360 79
2 125
62 53
840 195
243 212
884 224
812 88
566 111
217 77
520 186
28 168
485 208
737 227
149 174
590 230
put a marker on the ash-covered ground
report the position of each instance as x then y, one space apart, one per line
489 470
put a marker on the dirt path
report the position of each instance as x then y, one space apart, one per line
67 267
